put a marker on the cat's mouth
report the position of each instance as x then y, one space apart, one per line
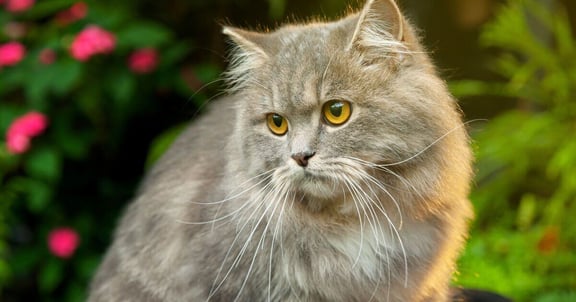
314 190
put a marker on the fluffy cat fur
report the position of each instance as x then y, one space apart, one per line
379 211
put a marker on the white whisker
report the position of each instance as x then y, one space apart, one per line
240 186
261 241
431 144
355 196
257 200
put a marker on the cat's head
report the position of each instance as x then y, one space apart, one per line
333 109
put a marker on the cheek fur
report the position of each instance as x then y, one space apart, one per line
262 150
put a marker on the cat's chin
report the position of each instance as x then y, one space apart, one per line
315 192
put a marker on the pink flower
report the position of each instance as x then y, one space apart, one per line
47 56
11 53
76 12
18 5
79 10
143 61
23 129
91 41
17 143
63 242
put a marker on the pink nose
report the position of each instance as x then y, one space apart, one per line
302 157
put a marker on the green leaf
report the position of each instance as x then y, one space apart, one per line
88 265
162 143
37 87
74 143
207 73
69 72
43 163
557 296
12 78
39 195
109 15
8 113
44 9
526 212
175 53
468 88
277 8
50 275
143 34
122 86
5 271
76 292
59 78
25 259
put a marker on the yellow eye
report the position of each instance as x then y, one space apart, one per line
277 124
337 112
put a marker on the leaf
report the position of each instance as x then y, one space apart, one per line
109 15
74 141
44 9
122 85
76 292
38 86
207 72
175 53
143 34
8 113
25 259
526 212
43 163
468 88
277 8
557 296
5 271
162 143
87 266
50 275
564 159
69 72
12 78
39 195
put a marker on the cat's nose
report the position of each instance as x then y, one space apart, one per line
302 158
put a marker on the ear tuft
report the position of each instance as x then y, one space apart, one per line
380 30
248 41
248 53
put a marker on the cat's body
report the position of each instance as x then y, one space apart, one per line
337 170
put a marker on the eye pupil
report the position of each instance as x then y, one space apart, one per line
336 109
277 120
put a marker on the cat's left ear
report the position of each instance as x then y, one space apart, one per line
251 51
380 30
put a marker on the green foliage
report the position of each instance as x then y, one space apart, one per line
523 239
90 106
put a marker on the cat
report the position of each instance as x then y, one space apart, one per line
337 168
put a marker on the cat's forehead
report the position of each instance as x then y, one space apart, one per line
300 95
314 42
299 69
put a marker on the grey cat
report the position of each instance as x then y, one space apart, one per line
337 169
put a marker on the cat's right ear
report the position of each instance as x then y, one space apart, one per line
250 52
249 45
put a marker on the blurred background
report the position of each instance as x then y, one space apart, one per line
92 92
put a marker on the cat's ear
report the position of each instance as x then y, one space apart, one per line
251 43
380 29
251 50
